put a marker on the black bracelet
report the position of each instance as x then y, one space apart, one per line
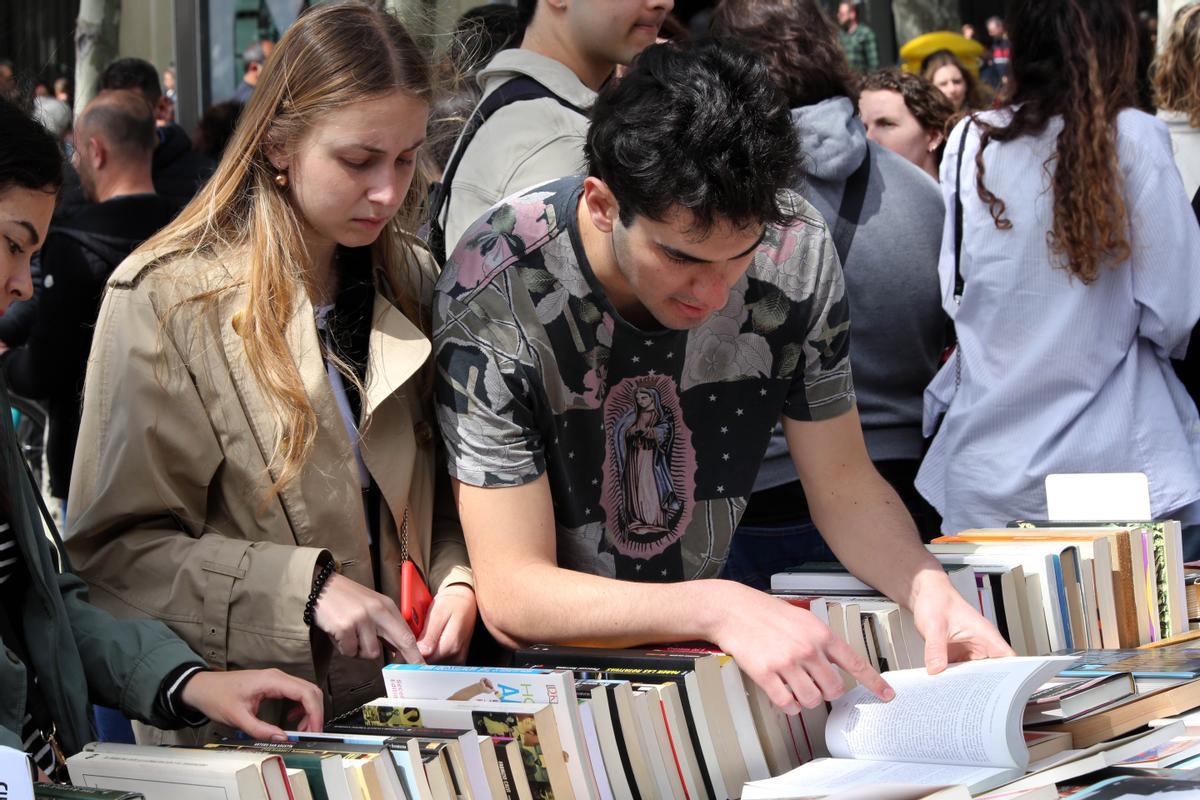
318 586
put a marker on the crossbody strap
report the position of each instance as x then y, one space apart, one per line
959 283
513 91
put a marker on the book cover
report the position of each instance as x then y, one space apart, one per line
553 687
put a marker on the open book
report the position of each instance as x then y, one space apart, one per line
962 726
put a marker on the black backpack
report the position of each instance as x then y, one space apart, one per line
515 90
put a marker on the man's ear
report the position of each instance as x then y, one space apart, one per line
935 140
602 207
97 152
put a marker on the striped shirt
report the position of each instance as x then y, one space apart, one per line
1058 376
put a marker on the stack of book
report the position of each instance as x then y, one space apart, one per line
1047 589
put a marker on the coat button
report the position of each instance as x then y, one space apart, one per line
423 432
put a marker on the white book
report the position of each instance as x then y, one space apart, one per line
649 710
553 686
960 727
591 738
165 774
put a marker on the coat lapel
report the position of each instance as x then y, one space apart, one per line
332 446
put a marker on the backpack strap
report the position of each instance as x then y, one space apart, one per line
512 91
850 210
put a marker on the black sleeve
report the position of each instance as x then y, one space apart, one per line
55 355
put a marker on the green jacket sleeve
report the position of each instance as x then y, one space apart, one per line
124 660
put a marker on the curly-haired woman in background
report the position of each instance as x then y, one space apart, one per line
1176 80
906 114
1079 256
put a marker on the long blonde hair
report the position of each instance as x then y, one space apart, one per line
1176 71
332 56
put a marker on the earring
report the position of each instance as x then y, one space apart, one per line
281 180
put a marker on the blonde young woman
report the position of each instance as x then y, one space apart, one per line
257 401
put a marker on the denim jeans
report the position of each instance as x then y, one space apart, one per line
759 551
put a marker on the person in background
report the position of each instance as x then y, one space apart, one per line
8 81
215 129
1079 259
253 58
115 139
571 49
168 85
479 35
55 116
906 114
898 329
1176 79
995 72
62 653
256 457
62 91
858 40
606 398
944 70
179 171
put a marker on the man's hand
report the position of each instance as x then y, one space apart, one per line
786 650
232 698
356 618
952 629
451 622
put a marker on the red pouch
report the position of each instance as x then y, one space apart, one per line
415 598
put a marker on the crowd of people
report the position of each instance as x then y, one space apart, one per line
578 333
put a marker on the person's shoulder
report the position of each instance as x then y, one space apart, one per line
1142 133
550 73
508 235
792 255
898 172
171 277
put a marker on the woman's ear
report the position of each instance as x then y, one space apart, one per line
276 156
935 140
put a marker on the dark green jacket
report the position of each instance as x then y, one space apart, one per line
81 654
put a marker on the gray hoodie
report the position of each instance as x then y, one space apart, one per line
897 328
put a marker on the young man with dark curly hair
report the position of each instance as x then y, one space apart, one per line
613 353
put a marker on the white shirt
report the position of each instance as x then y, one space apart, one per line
1058 376
1185 142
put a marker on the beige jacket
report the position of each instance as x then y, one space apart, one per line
166 512
522 144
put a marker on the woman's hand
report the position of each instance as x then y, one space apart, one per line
451 623
232 698
356 618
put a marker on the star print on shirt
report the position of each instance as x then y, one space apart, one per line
739 412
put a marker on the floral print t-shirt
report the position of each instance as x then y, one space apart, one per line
650 438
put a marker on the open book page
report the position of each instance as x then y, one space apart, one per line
827 775
969 715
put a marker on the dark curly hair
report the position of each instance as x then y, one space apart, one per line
29 156
1076 63
699 126
799 43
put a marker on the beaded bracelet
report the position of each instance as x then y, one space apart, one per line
318 586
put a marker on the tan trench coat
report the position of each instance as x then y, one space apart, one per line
166 510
